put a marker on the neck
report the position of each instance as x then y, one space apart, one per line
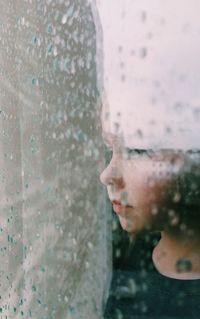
177 255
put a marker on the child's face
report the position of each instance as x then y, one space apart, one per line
138 184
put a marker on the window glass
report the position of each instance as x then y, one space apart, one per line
53 227
150 125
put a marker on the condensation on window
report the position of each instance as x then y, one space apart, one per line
151 127
54 247
99 91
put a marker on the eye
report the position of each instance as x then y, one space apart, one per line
137 152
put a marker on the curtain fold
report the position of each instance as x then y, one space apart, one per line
54 253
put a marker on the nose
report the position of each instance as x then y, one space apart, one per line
113 176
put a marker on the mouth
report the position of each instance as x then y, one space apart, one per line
119 208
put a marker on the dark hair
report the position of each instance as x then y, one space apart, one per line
185 192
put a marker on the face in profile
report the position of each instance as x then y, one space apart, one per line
139 185
150 104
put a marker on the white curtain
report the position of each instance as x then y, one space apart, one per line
53 228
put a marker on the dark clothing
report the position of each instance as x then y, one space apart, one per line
151 295
139 291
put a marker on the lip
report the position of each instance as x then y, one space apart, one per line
119 208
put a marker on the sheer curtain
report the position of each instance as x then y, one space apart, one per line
54 247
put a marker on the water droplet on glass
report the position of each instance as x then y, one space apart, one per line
133 286
34 40
49 28
66 299
196 113
183 265
177 197
22 20
123 78
139 133
120 49
64 19
119 314
143 16
118 253
179 107
154 210
124 198
143 52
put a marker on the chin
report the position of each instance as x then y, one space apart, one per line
129 226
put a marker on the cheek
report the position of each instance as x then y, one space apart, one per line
138 186
149 192
146 185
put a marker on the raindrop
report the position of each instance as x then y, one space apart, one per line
177 197
118 253
123 14
70 11
149 35
168 130
171 213
22 20
196 113
144 307
55 51
34 81
139 133
178 106
34 40
90 245
119 314
87 265
120 49
123 78
64 19
133 286
72 310
124 198
33 288
183 265
66 299
114 225
144 286
57 39
50 28
55 64
154 211
143 52
116 127
183 227
31 139
143 16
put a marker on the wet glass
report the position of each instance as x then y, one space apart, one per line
150 123
55 261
